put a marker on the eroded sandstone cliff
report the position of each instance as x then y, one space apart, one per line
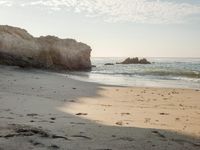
18 47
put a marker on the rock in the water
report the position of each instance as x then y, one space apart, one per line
93 66
144 61
19 48
107 64
135 60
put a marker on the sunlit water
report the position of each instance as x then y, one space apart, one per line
163 72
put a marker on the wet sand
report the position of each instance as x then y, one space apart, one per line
44 110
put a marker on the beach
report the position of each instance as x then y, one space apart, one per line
46 110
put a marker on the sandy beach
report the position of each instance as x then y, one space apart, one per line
44 110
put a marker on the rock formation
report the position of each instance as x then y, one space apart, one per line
135 60
108 64
19 48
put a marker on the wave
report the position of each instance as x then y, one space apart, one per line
173 73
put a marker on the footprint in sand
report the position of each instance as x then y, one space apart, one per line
147 120
54 147
82 136
164 113
72 101
103 149
126 139
9 118
32 115
79 123
35 143
181 105
125 114
120 123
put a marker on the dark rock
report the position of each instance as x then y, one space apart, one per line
144 61
135 60
53 118
107 64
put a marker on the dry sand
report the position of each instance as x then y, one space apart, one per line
42 110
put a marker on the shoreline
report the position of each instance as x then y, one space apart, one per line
135 86
43 110
80 78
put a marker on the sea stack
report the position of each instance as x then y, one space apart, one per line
135 60
19 48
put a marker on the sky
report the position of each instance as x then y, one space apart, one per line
113 28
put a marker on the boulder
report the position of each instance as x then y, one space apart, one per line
19 48
135 60
144 61
94 66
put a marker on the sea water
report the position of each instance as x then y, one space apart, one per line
162 72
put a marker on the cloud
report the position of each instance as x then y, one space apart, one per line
139 11
7 3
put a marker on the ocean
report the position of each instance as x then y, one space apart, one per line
162 72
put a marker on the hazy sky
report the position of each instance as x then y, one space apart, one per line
162 28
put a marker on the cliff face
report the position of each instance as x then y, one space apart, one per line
18 47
